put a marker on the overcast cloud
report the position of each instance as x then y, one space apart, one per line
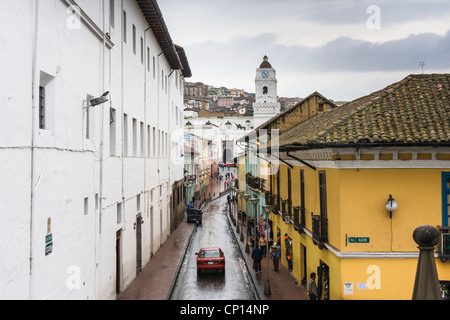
341 48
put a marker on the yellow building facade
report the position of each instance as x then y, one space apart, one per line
367 254
337 169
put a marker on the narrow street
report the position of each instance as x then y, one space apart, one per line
235 282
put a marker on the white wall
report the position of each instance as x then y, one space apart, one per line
65 167
15 133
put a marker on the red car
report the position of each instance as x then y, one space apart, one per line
210 259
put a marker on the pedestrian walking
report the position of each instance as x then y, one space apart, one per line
312 287
276 254
257 256
263 245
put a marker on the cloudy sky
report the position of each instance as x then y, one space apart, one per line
343 49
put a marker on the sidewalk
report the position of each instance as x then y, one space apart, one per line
282 285
157 278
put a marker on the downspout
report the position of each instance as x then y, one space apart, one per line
35 110
100 197
146 65
122 124
171 203
158 145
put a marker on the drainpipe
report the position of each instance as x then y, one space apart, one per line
100 192
172 212
34 127
122 126
146 65
158 145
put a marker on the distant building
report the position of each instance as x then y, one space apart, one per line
227 102
223 129
196 89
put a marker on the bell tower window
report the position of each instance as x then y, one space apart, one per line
265 90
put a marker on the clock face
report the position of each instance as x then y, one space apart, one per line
265 74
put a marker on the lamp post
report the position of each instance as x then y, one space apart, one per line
267 209
231 203
241 195
246 197
236 208
238 193
255 202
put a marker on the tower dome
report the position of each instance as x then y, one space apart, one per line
265 64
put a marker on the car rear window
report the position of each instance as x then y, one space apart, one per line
210 254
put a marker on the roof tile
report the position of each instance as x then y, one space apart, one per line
414 110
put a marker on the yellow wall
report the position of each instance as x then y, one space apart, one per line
363 197
356 207
383 279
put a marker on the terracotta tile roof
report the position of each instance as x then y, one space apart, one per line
267 124
414 111
174 54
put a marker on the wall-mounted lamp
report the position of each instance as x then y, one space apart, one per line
99 100
391 205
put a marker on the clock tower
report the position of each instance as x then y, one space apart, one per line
266 105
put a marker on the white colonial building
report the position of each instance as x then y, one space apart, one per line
223 131
266 104
91 144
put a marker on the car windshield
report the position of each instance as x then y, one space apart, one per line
210 254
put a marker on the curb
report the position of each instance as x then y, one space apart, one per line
257 290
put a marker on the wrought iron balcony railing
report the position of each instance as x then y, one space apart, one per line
319 228
256 183
276 204
299 218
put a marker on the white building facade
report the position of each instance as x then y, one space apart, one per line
223 132
266 104
86 188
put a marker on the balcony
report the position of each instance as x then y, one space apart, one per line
286 210
255 183
189 178
319 230
274 202
299 219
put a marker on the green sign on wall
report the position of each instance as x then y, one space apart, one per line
358 239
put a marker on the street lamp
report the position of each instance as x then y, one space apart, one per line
236 193
391 205
246 197
231 203
232 190
255 202
241 195
267 209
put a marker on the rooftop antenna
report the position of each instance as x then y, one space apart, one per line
422 64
